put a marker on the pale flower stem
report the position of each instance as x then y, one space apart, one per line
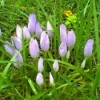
83 63
45 54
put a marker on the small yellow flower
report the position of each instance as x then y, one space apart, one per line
70 17
68 13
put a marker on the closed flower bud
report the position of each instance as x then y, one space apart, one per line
17 42
63 33
18 59
71 39
62 49
0 33
38 30
19 31
32 23
49 29
39 79
9 48
33 48
44 41
51 79
83 63
40 65
26 33
88 48
56 66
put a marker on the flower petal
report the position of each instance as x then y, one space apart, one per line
32 23
44 41
34 48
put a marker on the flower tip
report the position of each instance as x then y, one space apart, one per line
26 33
18 59
32 23
44 41
0 33
51 79
62 49
39 79
40 65
49 27
56 66
88 48
71 39
63 33
33 48
17 42
32 16
83 63
38 30
19 31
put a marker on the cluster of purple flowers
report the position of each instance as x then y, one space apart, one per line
67 39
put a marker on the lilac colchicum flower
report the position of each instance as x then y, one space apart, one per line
51 79
9 48
19 31
71 39
62 49
33 48
32 23
87 51
40 65
38 30
63 33
26 33
39 79
88 48
44 41
18 59
17 42
49 29
56 66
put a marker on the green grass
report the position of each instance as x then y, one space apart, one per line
71 82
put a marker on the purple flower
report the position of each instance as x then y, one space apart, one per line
17 42
63 33
56 66
40 65
44 41
32 23
9 48
19 31
39 79
34 48
18 59
71 39
87 51
88 48
62 49
38 30
49 29
26 33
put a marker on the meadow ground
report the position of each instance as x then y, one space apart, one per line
71 81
